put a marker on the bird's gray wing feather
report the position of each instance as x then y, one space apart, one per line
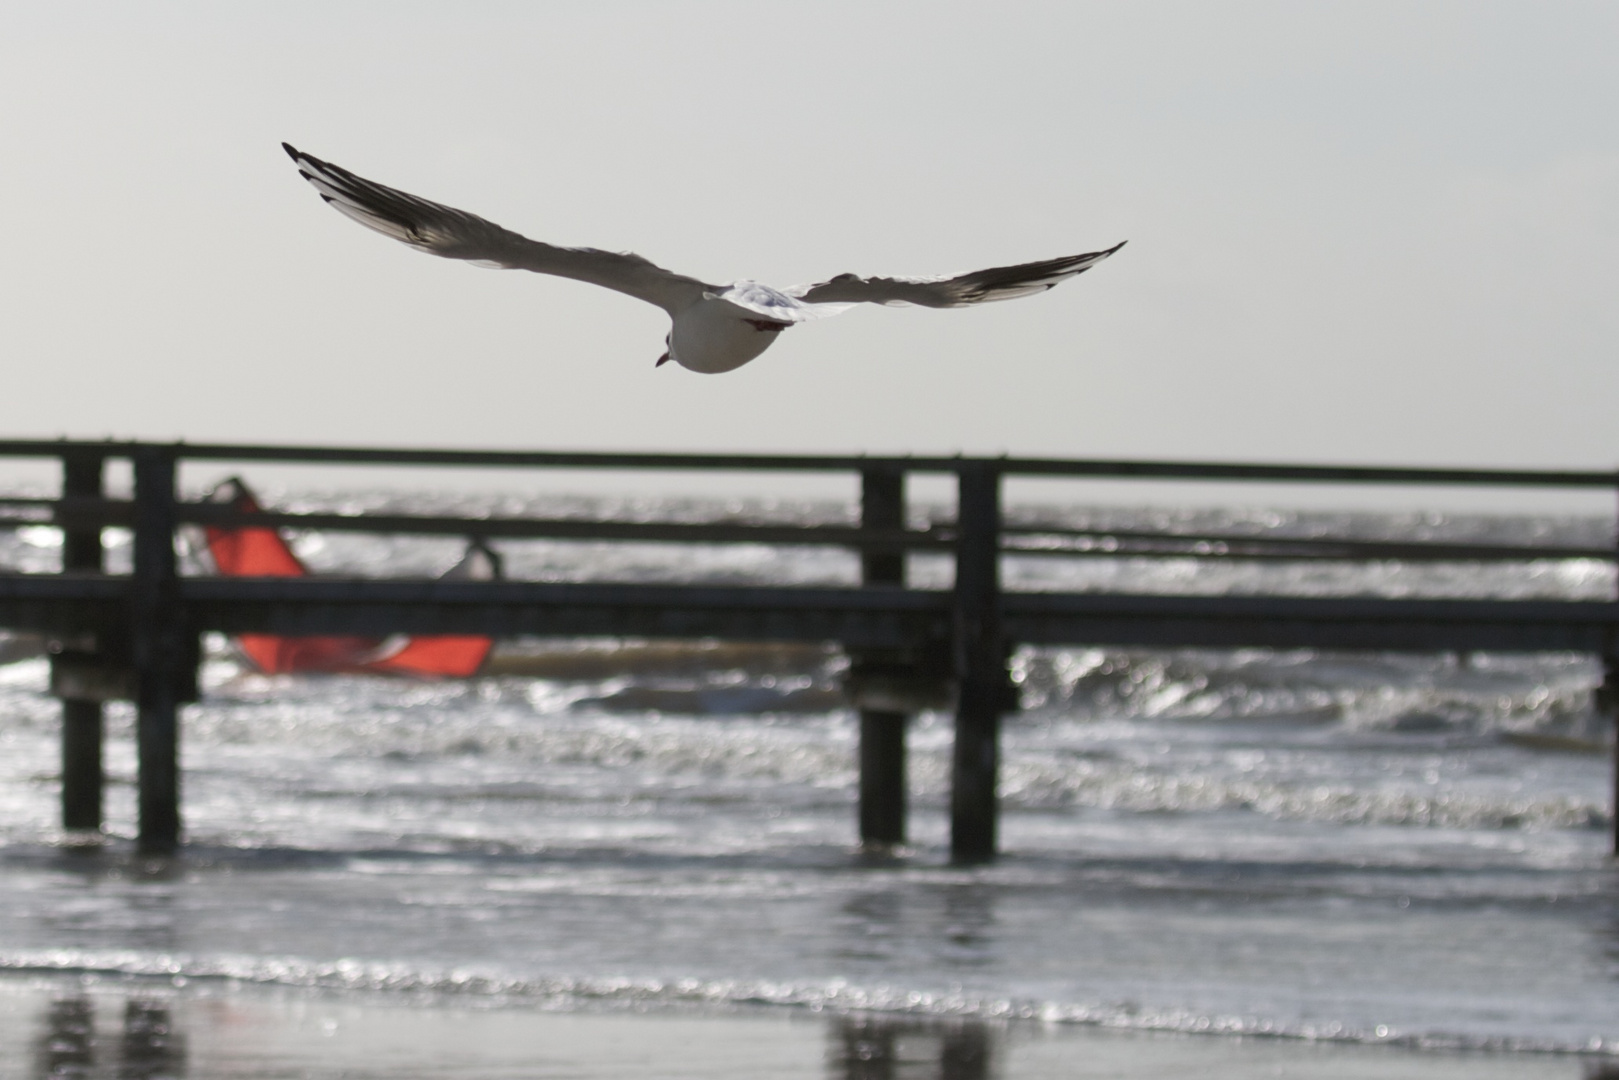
978 287
455 234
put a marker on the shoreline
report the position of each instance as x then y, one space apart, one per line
41 986
226 1030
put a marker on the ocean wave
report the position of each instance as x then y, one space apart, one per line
1063 754
833 995
1125 787
1481 693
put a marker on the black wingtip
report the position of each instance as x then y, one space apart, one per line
292 151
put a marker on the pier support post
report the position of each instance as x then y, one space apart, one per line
82 772
980 664
883 784
159 647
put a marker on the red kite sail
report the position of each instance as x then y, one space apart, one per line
260 551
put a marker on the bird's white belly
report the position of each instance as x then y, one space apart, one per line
714 335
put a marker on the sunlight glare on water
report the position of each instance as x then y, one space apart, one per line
1342 849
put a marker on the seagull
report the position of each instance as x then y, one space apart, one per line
714 328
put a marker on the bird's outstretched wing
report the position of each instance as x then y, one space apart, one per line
978 287
456 234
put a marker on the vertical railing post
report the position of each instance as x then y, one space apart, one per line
157 639
82 726
883 782
980 664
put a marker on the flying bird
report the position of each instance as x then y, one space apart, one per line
714 327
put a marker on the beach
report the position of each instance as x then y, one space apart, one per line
621 859
231 1032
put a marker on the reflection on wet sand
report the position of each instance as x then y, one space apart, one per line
67 1046
881 1048
130 1031
149 1049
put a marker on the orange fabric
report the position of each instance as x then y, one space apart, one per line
261 552
283 655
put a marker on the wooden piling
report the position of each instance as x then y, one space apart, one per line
82 725
82 770
980 664
883 783
158 649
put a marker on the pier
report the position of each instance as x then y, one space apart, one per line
136 636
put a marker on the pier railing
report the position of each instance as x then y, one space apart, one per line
136 635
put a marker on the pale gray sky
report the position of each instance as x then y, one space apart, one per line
1358 232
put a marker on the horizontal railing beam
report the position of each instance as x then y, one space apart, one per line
1007 466
870 616
1310 474
1333 623
1031 539
1082 543
879 618
67 604
516 528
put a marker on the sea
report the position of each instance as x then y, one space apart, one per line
608 858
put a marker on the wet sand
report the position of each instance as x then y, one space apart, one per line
129 1030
